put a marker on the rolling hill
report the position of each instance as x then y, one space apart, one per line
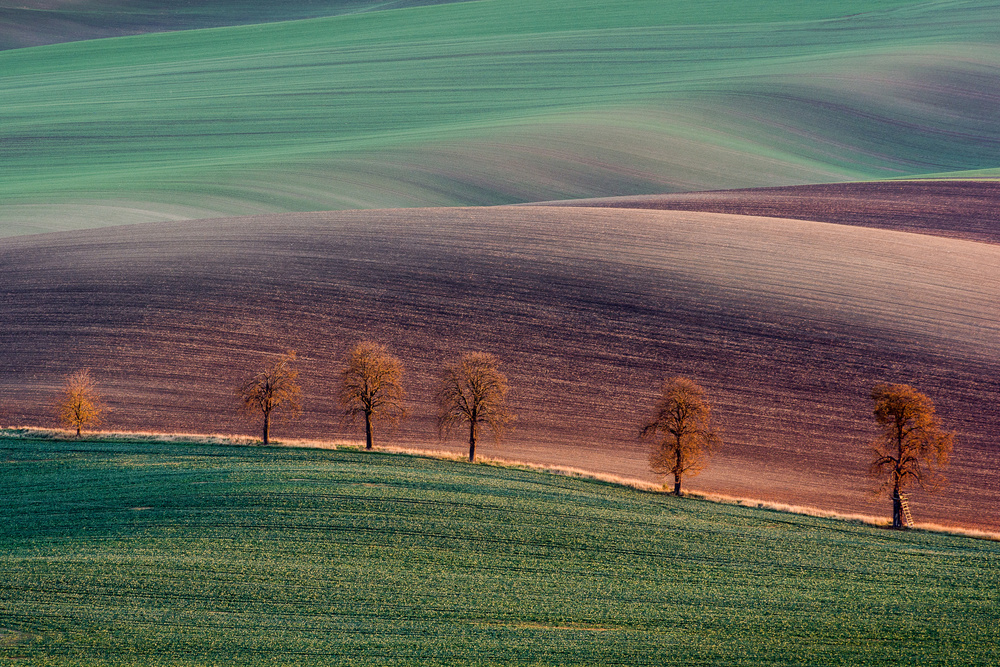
493 102
146 552
39 22
953 208
787 323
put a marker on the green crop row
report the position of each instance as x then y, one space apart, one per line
92 19
490 102
183 554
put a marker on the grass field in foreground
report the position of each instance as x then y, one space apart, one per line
491 102
162 554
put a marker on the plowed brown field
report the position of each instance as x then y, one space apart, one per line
958 209
786 323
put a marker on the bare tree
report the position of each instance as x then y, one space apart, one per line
911 448
474 392
682 430
79 404
273 389
371 386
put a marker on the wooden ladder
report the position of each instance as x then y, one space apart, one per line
905 506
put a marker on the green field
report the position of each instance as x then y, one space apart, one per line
34 22
495 101
153 553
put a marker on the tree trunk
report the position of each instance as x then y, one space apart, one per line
368 430
267 426
677 469
897 503
78 430
472 441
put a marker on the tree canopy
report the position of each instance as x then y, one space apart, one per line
273 389
474 392
371 387
681 430
911 448
79 403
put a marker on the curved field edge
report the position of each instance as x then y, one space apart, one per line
218 439
488 103
955 207
787 324
34 23
89 19
130 553
974 174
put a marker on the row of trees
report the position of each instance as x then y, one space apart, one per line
473 393
911 448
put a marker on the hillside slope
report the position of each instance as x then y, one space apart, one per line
38 22
787 323
174 554
955 208
492 102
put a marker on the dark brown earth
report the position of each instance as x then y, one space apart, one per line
786 323
958 209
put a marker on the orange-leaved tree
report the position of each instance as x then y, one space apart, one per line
681 429
275 389
79 403
911 448
371 386
474 392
